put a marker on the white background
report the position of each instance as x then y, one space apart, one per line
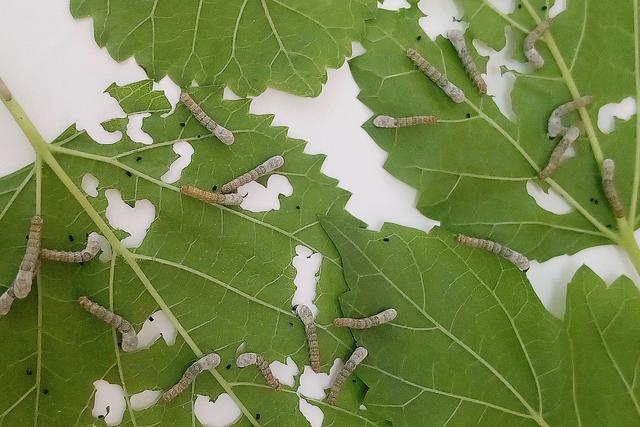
58 74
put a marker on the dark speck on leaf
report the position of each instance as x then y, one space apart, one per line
544 7
298 207
81 263
257 416
71 239
228 366
128 173
214 188
138 158
183 124
355 381
45 391
198 136
468 115
386 239
151 318
29 371
608 225
519 6
291 323
419 38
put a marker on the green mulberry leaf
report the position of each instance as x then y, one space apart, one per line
473 345
222 275
246 45
472 168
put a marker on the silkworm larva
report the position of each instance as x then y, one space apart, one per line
516 258
305 314
29 264
608 172
129 336
436 76
211 198
356 358
456 37
246 359
402 122
87 254
530 43
555 126
554 161
209 361
270 165
219 131
5 93
6 299
383 317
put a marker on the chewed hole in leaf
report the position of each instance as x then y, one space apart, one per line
622 110
285 373
156 326
219 413
109 403
144 400
313 385
185 151
550 201
229 94
442 16
258 198
90 185
312 413
504 6
134 129
393 4
499 84
135 219
307 265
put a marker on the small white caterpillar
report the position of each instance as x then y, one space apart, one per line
402 122
209 361
530 51
219 131
30 263
608 172
87 254
5 93
268 166
247 359
383 317
211 198
555 126
456 37
305 314
356 358
436 76
6 299
129 336
554 161
514 257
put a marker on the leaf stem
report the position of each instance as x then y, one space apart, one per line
628 242
43 152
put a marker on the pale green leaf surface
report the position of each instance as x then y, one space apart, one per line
473 345
471 169
247 45
223 275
